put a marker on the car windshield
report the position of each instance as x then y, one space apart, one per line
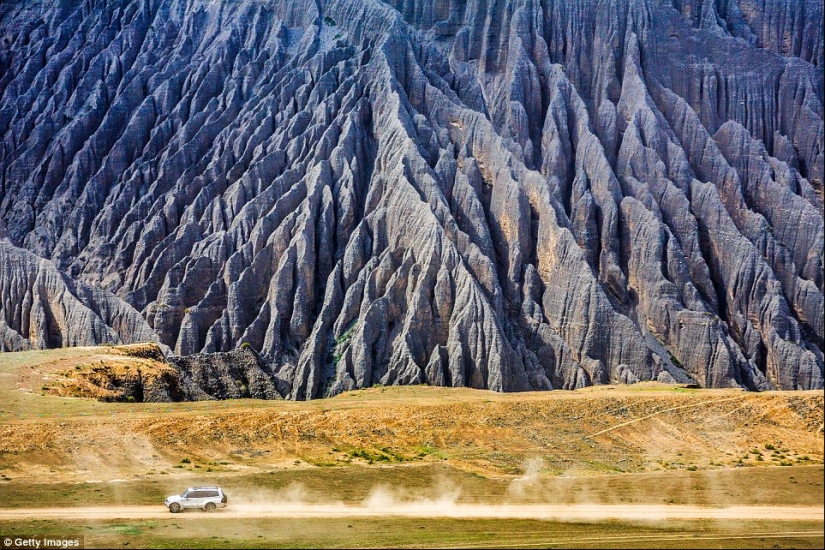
183 494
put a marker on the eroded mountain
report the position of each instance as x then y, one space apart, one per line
505 194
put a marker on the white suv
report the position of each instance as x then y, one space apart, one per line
204 498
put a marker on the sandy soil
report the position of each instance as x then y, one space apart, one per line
518 439
434 510
621 430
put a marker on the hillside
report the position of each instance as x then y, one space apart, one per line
609 429
511 195
645 465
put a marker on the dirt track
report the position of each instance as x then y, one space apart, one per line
433 509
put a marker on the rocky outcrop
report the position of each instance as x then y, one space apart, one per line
151 382
143 373
511 195
787 27
42 308
232 375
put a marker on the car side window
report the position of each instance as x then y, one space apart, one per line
194 494
212 494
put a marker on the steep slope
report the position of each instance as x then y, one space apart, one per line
42 308
510 195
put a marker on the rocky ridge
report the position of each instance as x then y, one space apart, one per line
142 373
511 195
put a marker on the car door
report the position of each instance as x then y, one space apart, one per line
200 501
192 499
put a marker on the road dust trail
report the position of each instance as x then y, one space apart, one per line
433 510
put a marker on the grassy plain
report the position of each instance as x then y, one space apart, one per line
641 444
216 532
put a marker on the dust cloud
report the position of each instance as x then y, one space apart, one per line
425 509
297 500
527 485
529 496
442 498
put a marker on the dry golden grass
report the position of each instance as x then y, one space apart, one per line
90 372
642 428
641 444
106 379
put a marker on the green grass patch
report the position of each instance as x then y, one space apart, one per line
214 531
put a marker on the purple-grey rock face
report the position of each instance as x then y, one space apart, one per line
505 194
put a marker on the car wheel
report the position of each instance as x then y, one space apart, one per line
174 507
210 506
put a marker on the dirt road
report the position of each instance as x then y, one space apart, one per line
432 509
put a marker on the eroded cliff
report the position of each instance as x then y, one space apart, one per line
512 195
